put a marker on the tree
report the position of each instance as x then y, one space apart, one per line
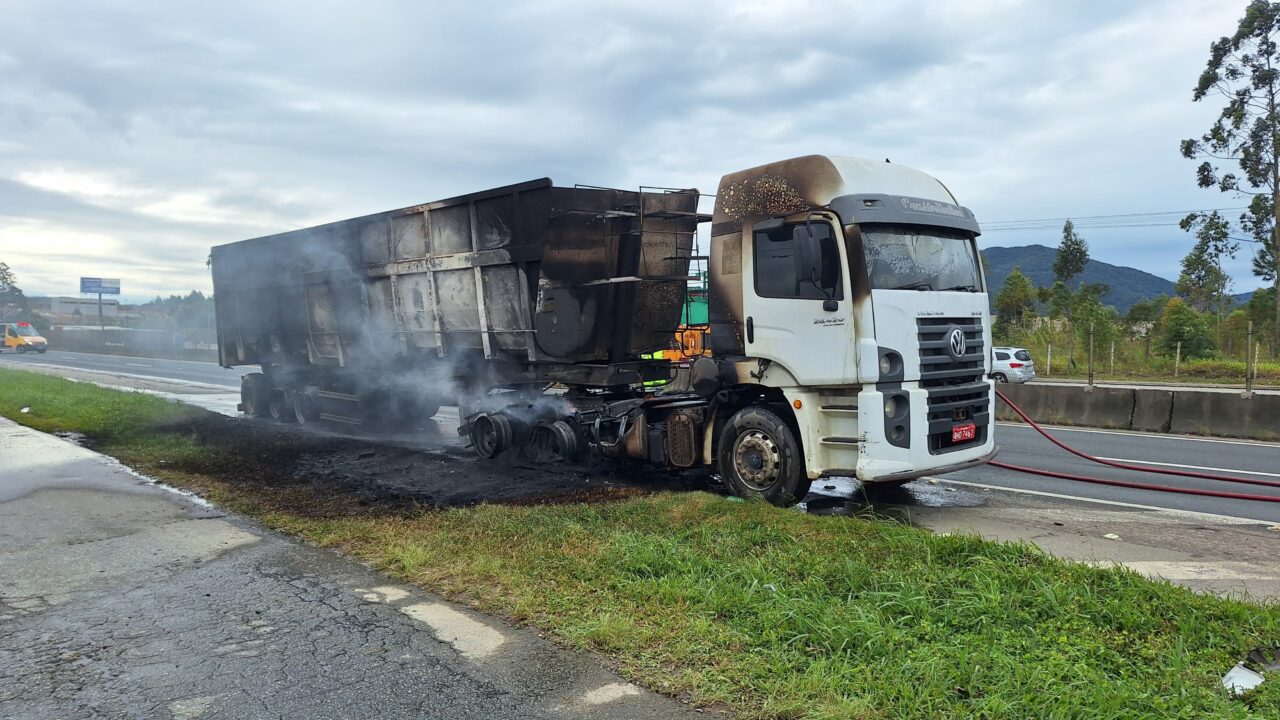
1182 324
1244 69
1143 311
1016 297
1090 313
1073 254
1059 300
1203 281
12 300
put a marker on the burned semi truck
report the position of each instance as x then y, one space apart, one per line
848 326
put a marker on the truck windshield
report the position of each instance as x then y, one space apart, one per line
24 330
913 257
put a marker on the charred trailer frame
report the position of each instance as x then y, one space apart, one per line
388 316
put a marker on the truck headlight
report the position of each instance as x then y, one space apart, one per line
892 405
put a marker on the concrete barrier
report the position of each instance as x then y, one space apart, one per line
1069 405
1194 412
1226 414
1152 410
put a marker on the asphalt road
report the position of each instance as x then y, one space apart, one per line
121 599
1019 445
185 370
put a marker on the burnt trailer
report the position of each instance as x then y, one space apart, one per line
848 329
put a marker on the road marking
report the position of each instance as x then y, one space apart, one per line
383 594
1209 517
609 693
474 639
1191 467
1153 436
139 365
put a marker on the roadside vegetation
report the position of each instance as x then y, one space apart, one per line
770 613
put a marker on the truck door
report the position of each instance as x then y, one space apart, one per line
797 311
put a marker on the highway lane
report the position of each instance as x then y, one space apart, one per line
186 370
1019 445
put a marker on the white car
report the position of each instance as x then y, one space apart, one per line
1010 364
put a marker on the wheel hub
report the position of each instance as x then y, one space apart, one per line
757 460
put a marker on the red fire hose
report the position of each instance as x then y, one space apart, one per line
1137 468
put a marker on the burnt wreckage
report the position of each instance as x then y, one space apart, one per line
847 335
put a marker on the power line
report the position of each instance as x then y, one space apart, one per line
1118 220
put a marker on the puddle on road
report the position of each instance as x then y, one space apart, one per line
846 496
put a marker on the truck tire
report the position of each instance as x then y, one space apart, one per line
306 406
759 458
491 435
280 406
255 395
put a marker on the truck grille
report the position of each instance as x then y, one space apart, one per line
958 392
937 367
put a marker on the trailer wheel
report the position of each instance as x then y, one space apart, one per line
760 458
255 395
281 406
553 442
491 435
306 406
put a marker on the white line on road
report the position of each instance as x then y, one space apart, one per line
1191 467
1211 517
139 365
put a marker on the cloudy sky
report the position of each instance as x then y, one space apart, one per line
135 135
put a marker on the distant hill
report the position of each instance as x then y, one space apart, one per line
1128 285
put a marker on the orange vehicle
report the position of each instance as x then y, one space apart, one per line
22 337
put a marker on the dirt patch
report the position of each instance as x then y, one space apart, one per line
392 473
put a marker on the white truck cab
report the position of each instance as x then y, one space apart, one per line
853 288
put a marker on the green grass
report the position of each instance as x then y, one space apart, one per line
774 613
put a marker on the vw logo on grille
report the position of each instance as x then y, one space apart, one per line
956 343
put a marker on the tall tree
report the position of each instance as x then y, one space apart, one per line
1073 254
1244 69
1016 297
11 298
1203 280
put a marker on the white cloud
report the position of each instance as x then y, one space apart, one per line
145 133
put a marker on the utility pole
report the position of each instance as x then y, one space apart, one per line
101 323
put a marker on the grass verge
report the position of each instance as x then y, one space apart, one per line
774 613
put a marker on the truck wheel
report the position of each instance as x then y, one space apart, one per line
306 406
42 350
255 395
22 349
760 458
553 442
491 435
281 405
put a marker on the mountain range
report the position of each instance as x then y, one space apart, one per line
1127 285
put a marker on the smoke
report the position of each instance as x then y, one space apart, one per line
366 299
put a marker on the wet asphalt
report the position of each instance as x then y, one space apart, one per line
121 599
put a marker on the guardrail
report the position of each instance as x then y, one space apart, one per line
1193 412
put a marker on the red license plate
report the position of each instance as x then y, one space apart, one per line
960 433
